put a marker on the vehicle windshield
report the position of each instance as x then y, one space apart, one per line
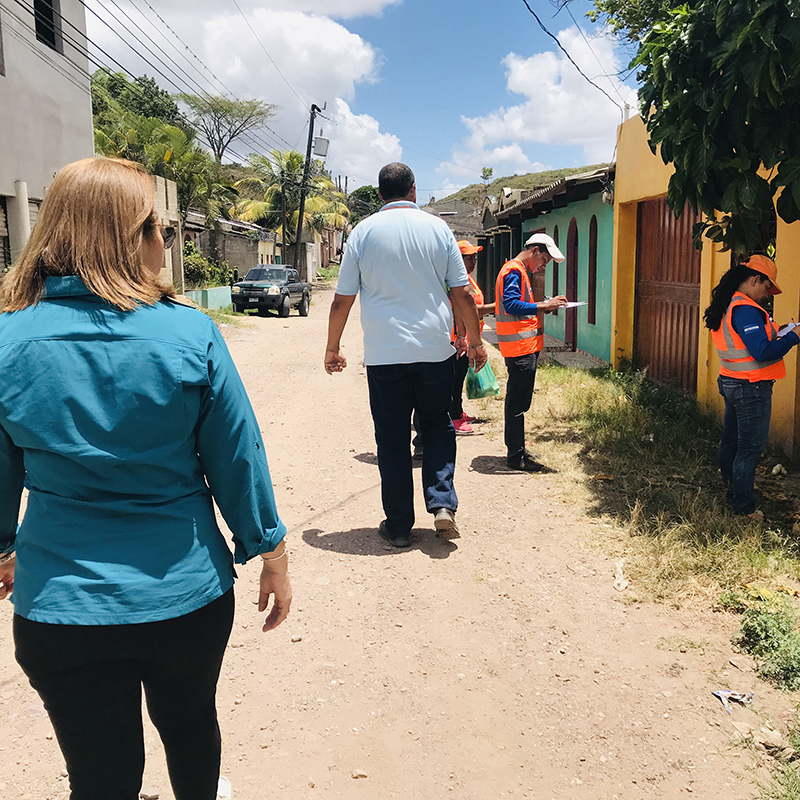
266 274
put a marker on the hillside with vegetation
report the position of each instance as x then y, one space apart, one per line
475 192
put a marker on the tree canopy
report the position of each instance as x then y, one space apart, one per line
362 202
721 100
112 91
223 120
632 18
274 187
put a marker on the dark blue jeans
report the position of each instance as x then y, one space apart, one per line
395 391
745 429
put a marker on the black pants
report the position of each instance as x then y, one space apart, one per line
457 407
90 679
519 392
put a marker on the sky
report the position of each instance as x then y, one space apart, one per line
446 86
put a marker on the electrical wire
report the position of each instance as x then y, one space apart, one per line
570 58
274 64
405 147
43 56
591 49
202 92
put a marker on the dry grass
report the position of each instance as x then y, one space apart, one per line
644 460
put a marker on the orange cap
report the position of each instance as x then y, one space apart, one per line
467 248
766 266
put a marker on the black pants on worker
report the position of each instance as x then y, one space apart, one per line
461 368
519 392
90 679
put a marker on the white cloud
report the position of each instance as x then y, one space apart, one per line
319 58
561 108
341 9
358 148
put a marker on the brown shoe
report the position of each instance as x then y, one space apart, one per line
444 521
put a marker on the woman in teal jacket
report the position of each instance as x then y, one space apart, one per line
123 415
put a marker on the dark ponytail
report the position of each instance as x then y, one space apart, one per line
723 292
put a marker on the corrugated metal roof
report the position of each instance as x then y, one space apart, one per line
546 192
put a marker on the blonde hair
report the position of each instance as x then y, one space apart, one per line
91 224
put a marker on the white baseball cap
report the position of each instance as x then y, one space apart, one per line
550 245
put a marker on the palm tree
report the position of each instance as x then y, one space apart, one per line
271 195
172 153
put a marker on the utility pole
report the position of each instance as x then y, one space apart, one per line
303 191
284 237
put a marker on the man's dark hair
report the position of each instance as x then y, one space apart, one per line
395 181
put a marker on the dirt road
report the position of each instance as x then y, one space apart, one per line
502 665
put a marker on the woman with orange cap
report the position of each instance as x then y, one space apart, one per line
462 420
751 352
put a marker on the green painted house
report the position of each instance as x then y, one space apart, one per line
578 213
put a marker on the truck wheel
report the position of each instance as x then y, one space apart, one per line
238 309
285 306
302 309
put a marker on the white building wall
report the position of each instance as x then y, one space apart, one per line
45 105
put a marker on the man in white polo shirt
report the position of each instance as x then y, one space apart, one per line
403 261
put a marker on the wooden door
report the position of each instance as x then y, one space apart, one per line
667 306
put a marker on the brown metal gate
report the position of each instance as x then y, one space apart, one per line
667 310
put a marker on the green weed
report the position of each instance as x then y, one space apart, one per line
645 457
328 273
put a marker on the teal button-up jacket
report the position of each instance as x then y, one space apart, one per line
123 425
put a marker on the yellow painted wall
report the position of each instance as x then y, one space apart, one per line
642 175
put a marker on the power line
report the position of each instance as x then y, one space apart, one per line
591 49
83 50
261 44
196 58
262 143
405 147
52 63
570 58
152 66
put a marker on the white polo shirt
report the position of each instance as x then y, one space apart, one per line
401 260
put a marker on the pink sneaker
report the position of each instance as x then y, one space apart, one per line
467 418
461 426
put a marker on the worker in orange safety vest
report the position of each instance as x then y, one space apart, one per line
462 422
751 351
520 336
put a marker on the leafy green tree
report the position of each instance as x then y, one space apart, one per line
223 120
271 195
721 100
632 18
486 174
362 202
114 93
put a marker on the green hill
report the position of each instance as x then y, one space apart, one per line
474 193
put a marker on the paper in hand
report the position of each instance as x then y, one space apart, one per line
790 327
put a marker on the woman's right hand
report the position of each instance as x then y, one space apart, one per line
7 579
275 581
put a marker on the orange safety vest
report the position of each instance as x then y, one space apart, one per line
735 360
516 336
477 296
